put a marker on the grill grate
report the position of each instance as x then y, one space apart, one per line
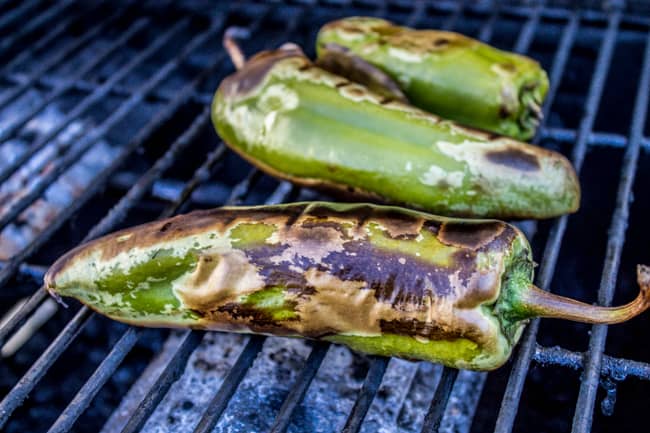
195 67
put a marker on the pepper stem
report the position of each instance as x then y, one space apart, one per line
537 302
233 49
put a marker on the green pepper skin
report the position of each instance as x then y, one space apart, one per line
446 73
382 280
301 123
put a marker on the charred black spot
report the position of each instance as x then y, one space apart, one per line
504 112
412 327
165 226
338 60
502 241
342 84
356 91
323 223
470 235
514 158
394 281
440 42
257 320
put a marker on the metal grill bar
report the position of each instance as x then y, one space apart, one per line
47 38
512 394
433 419
27 383
618 368
75 113
589 386
311 367
177 363
299 389
17 13
112 361
560 135
451 21
528 31
229 386
120 210
36 372
101 179
366 394
55 60
173 370
315 358
96 134
436 410
33 24
90 389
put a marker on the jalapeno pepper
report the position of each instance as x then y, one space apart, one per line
446 73
299 122
381 280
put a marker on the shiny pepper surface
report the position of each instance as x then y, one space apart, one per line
446 73
301 123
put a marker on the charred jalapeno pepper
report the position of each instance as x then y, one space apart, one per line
446 73
299 122
381 280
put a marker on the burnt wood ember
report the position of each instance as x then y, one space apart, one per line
104 123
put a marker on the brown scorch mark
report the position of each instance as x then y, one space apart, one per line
514 158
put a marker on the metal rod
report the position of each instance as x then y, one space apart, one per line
26 384
17 13
172 371
512 394
232 380
41 141
487 30
33 24
134 194
182 96
297 393
616 238
443 391
96 134
163 383
433 418
56 59
92 386
616 368
419 10
452 19
27 52
366 394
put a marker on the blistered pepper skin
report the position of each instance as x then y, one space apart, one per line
301 123
381 280
451 75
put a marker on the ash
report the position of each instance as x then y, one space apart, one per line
400 405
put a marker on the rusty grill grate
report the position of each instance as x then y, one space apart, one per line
135 82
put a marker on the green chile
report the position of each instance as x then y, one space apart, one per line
451 75
381 280
301 123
